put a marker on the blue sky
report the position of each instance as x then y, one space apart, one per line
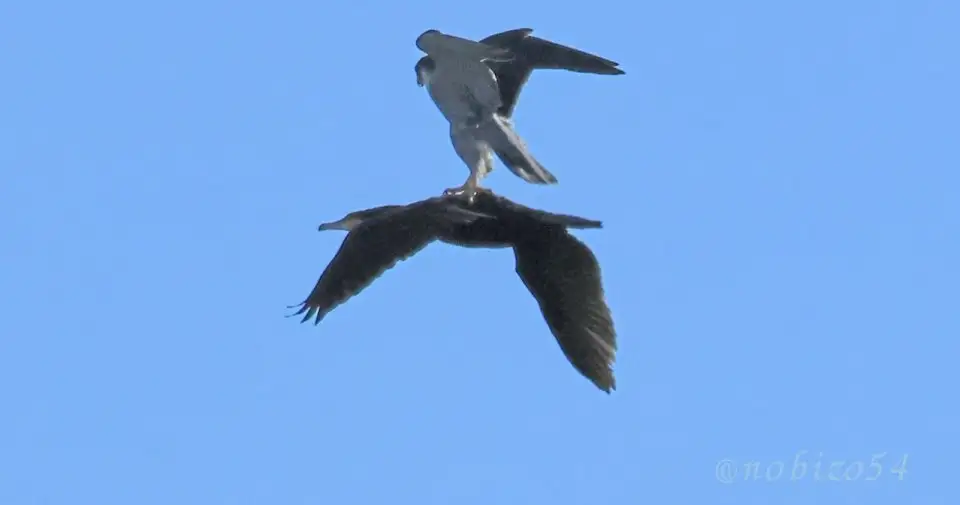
778 183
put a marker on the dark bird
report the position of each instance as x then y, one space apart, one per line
560 271
480 123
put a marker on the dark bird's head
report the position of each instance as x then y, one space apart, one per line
354 219
424 68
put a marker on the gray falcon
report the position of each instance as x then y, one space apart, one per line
477 128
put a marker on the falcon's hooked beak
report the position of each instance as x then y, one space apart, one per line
424 73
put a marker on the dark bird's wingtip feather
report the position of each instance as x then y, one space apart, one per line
579 223
304 309
611 68
607 384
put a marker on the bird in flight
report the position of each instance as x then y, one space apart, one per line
559 270
476 86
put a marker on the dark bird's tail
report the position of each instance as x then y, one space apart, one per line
513 152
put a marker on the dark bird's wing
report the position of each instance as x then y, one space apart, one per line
489 203
563 275
375 247
531 53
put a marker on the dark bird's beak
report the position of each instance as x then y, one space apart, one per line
345 224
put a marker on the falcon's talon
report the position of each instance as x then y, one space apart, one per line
466 191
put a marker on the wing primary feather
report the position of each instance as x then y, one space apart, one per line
537 53
369 251
563 276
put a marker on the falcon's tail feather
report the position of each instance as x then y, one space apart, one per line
513 152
